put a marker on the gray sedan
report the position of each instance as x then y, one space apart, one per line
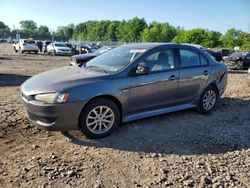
124 84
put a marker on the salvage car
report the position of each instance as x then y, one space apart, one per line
83 58
58 49
238 60
124 84
83 49
45 44
26 45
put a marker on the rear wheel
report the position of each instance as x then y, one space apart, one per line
99 118
208 100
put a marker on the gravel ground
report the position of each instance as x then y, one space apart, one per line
182 149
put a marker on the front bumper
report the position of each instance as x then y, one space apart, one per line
54 117
63 53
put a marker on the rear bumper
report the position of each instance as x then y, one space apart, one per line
29 49
54 117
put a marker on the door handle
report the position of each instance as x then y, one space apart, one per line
172 77
205 72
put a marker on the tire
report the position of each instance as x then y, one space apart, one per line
36 52
22 51
210 94
89 116
240 65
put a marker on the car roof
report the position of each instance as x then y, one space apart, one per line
149 46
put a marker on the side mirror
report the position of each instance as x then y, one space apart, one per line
142 69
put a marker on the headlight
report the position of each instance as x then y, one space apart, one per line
52 97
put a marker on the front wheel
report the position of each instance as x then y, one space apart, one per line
99 118
208 100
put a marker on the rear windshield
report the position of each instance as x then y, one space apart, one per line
29 41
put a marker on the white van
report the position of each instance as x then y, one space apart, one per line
25 45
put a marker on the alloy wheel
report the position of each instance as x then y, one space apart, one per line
209 100
100 119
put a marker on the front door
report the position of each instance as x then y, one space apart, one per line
158 88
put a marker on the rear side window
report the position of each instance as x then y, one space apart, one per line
190 58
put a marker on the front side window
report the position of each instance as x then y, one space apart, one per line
160 61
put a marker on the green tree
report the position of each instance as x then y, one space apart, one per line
158 32
244 40
212 39
43 32
4 30
28 25
131 30
112 31
230 39
64 32
80 32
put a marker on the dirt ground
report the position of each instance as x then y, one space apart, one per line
182 149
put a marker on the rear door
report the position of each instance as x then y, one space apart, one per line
194 73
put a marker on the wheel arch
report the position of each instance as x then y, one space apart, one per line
105 96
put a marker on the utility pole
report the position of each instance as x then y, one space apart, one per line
52 35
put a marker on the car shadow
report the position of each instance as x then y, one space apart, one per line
235 71
5 58
12 79
184 132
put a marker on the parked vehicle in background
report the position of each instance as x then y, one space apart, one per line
83 49
70 46
83 58
238 60
124 84
248 77
39 45
226 52
58 49
216 54
45 44
25 45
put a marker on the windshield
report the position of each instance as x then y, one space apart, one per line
114 60
60 45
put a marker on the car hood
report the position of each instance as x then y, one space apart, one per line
84 56
60 79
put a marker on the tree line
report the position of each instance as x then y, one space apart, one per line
133 30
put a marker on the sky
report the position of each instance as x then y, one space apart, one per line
219 15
